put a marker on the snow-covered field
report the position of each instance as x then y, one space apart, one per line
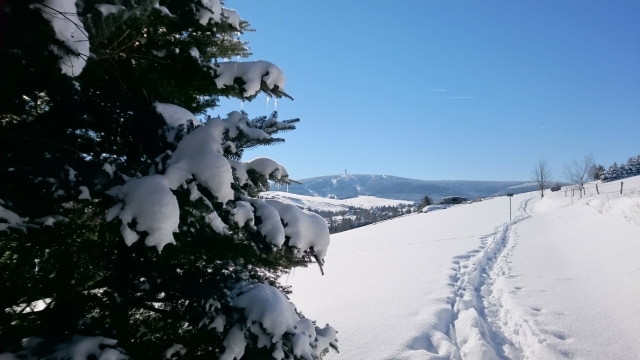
559 281
326 204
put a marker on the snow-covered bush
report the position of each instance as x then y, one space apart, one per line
129 223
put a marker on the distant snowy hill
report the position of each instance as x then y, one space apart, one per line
394 187
325 204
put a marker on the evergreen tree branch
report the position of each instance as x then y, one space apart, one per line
79 27
54 143
117 41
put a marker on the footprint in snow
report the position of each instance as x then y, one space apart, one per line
557 334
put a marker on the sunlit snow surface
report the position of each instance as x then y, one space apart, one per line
558 281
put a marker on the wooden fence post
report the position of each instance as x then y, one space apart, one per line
598 191
621 184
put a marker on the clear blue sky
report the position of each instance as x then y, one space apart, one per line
524 80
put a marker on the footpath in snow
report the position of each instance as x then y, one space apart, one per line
567 286
557 281
392 289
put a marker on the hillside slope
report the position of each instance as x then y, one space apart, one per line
394 187
326 204
558 281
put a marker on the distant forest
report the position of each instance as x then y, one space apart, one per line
617 172
355 217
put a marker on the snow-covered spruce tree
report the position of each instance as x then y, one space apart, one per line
613 173
128 226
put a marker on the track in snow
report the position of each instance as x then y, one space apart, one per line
476 328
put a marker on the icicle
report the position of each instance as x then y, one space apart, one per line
275 104
268 97
241 104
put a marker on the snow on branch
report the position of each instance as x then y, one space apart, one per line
63 16
257 75
269 169
50 220
234 344
162 9
241 171
151 203
271 318
270 227
199 156
211 10
9 219
195 53
306 230
266 167
175 116
82 347
232 17
79 347
175 348
108 9
243 213
239 121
